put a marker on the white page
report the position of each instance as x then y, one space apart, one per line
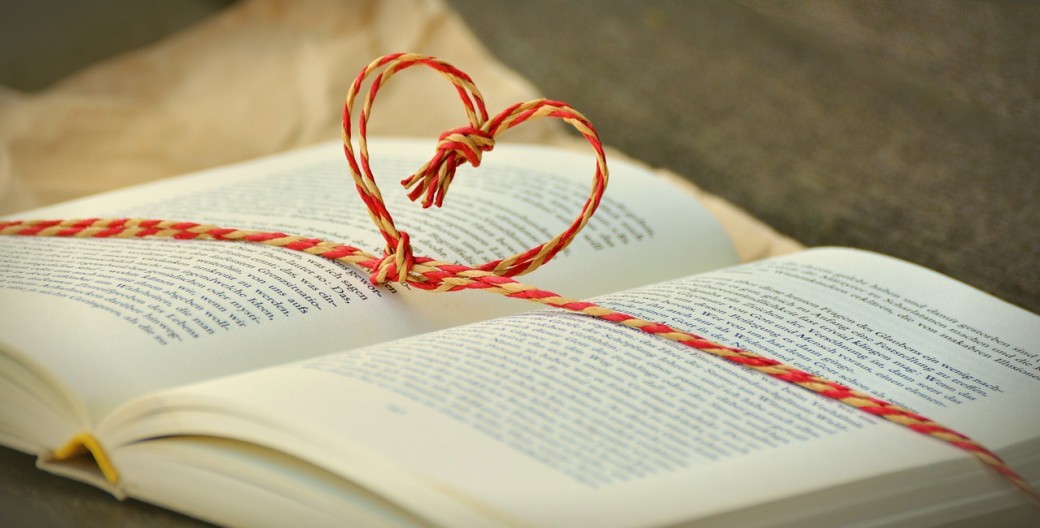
115 318
557 419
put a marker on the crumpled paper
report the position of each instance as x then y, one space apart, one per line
260 77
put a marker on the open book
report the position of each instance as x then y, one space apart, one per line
251 385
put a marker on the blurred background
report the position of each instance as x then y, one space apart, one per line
909 128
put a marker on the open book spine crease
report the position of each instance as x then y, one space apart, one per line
398 264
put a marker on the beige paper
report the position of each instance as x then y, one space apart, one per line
260 77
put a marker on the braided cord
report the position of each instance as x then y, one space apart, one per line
465 145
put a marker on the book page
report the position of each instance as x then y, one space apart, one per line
114 318
552 418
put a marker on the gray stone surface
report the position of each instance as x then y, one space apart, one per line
908 128
42 41
30 497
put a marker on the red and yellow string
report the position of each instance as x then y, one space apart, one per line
397 263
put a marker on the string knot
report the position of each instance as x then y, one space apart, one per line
455 147
396 263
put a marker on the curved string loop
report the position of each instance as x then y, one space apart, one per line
455 147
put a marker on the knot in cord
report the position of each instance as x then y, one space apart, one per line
466 141
396 263
455 147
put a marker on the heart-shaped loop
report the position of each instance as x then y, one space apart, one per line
464 144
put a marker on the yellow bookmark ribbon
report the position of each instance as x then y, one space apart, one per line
84 443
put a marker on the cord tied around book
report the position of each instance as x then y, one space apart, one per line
396 264
455 147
